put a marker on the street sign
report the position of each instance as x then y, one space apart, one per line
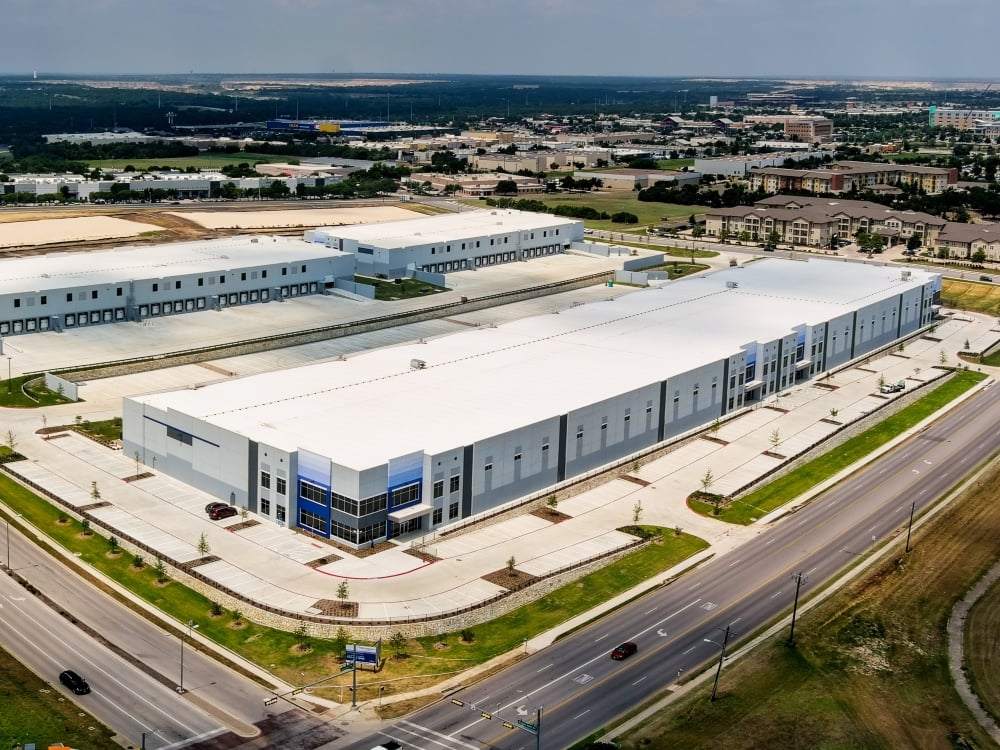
533 728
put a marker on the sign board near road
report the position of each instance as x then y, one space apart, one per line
364 654
533 728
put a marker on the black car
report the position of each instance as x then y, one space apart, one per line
74 682
624 651
212 506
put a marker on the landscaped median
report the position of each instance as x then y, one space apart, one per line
301 659
773 495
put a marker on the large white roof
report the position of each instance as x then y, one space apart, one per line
485 382
445 228
64 269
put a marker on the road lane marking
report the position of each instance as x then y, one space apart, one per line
639 680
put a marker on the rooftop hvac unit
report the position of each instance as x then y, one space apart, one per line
732 284
906 275
417 364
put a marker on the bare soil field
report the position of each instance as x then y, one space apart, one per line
80 229
303 217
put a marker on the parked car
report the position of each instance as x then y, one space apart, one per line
624 651
986 278
216 504
74 682
893 387
226 511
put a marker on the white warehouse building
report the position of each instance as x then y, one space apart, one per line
414 437
451 242
59 291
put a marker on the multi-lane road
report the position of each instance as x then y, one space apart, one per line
582 690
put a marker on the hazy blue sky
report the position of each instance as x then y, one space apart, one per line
855 38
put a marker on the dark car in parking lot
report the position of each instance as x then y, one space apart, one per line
226 511
211 506
624 651
986 278
74 682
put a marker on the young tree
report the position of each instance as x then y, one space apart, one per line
636 512
398 644
834 413
203 547
343 591
95 494
301 634
511 565
775 438
237 617
552 502
707 480
10 441
161 571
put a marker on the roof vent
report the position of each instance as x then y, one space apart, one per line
732 284
417 364
906 275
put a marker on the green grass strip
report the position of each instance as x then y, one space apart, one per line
774 494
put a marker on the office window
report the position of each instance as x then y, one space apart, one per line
279 514
454 483
579 432
628 418
156 287
404 495
118 292
303 269
372 504
177 285
313 492
44 300
343 504
263 274
312 521
201 282
69 296
282 486
265 479
438 489
453 511
284 271
517 456
17 302
545 448
243 276
265 506
222 279
436 517
488 467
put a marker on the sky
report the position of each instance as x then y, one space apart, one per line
910 39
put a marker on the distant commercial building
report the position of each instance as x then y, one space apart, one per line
476 185
810 129
816 221
740 166
64 291
629 179
450 242
412 438
845 176
963 119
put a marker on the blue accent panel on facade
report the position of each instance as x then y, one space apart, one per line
185 432
314 468
406 469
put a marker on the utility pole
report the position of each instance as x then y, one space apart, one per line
799 578
909 528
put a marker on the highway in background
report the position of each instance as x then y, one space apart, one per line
583 691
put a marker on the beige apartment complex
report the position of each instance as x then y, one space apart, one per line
845 176
816 221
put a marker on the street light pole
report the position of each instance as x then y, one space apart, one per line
10 387
795 607
191 626
722 656
909 528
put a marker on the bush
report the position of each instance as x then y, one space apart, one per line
467 635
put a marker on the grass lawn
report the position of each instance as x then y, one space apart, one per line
401 289
422 662
32 711
870 666
107 429
614 201
674 163
201 161
673 252
775 494
12 395
971 295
